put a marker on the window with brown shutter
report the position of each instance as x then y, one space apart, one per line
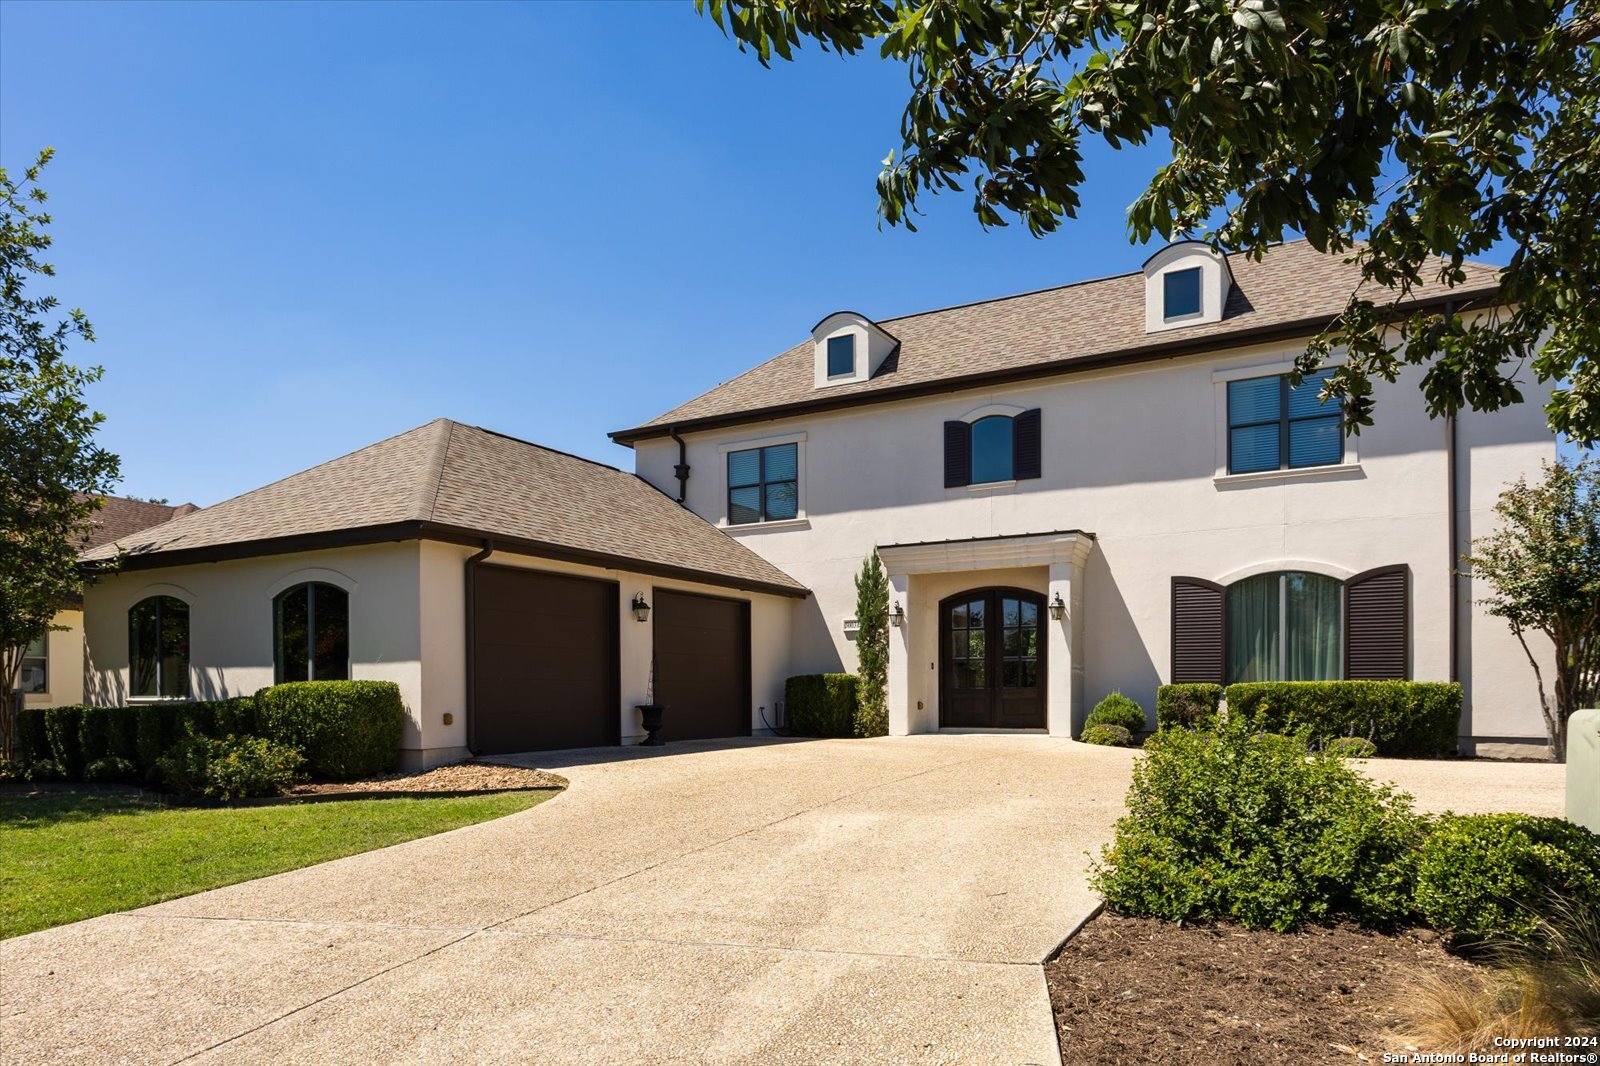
1197 629
1377 621
1025 437
957 454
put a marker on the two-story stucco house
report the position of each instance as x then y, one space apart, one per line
1111 485
1107 485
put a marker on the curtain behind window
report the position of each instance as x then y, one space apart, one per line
1314 642
1253 629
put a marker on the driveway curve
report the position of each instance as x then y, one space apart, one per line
745 901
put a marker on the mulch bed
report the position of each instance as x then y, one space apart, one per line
460 777
1137 990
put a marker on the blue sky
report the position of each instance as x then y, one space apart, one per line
300 228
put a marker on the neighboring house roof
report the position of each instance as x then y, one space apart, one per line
447 481
1292 291
120 516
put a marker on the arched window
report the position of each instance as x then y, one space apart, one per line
158 648
991 449
311 633
1285 626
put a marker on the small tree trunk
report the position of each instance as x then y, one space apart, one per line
1552 725
10 666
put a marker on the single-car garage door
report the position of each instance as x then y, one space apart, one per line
545 661
702 652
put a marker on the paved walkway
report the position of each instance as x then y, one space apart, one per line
824 901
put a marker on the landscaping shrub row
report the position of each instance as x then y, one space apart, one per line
1239 823
822 705
1402 719
341 730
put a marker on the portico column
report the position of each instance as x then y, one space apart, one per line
1063 672
900 716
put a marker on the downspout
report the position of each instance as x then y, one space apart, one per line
1453 525
469 571
682 469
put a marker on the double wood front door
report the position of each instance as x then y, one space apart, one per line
991 659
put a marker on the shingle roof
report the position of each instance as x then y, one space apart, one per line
119 517
450 481
1051 331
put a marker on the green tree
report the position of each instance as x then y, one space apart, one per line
1543 569
52 473
872 649
1407 133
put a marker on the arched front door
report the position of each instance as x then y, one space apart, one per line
991 659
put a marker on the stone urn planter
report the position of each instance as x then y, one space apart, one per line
651 714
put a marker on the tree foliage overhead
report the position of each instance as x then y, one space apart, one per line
52 473
1411 134
1542 567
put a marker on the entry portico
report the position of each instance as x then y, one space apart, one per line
1026 645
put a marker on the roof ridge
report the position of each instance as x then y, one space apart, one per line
427 499
547 448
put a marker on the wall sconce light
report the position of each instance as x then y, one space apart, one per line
641 609
897 617
1058 609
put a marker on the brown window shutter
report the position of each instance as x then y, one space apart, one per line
1025 445
1197 629
1377 625
957 454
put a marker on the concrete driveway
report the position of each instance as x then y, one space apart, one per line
821 901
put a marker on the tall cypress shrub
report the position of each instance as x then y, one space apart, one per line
872 649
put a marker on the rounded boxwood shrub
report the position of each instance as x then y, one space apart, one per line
1234 824
1102 733
1493 876
109 768
1353 747
1117 709
230 768
347 729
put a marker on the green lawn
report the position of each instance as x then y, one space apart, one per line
69 855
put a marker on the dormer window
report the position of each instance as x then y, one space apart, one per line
1180 293
842 355
1185 284
850 348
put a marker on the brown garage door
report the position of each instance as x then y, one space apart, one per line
702 665
545 661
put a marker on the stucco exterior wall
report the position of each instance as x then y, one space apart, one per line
230 621
64 670
1137 457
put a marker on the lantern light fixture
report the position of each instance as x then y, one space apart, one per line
897 617
641 609
1058 609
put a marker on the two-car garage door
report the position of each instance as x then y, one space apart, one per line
546 662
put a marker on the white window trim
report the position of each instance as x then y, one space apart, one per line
177 592
1283 364
313 575
1192 316
799 521
978 414
43 693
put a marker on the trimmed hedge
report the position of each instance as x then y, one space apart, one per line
1403 718
347 729
821 705
1187 706
230 768
30 744
63 727
1118 710
1486 876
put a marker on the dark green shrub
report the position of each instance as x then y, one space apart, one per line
191 718
123 734
1187 706
1117 709
1233 824
94 733
1403 718
41 770
1352 747
1107 734
1491 876
347 729
30 741
234 717
821 705
152 733
109 768
229 768
62 725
